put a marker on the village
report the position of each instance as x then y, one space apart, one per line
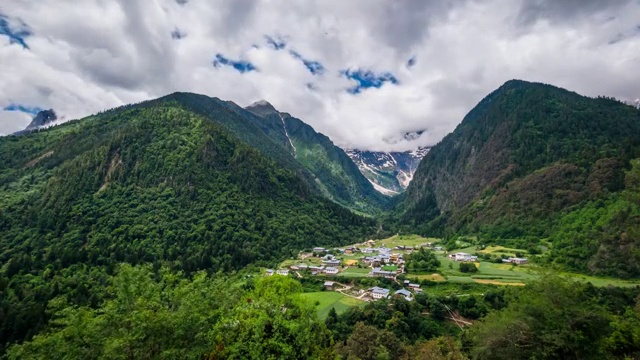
370 259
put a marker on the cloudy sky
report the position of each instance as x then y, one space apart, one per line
364 72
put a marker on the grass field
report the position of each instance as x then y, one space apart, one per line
501 250
406 240
331 299
355 272
430 277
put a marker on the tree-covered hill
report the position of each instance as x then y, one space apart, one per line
168 182
530 162
335 174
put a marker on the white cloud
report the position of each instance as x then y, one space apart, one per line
88 56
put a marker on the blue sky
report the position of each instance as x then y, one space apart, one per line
31 110
15 30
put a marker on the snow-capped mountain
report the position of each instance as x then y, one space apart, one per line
389 172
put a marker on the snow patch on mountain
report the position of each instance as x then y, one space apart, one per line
383 190
390 172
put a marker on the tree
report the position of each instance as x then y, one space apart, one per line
271 322
369 343
423 261
468 267
442 348
552 318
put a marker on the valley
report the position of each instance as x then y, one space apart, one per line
229 219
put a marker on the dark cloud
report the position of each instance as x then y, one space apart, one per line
275 43
563 11
403 24
176 34
411 62
236 15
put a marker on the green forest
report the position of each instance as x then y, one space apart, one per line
160 314
534 164
142 232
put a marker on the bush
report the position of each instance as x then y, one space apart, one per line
468 268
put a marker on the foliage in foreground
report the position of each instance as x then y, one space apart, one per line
555 318
162 315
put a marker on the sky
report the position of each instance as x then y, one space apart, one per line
370 74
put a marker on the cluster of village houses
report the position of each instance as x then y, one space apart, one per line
378 293
384 256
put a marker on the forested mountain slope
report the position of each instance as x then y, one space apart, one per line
530 162
169 182
336 175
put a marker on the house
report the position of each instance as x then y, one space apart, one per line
302 266
328 285
427 244
269 272
370 243
438 248
379 293
366 250
350 250
406 282
331 271
462 257
283 272
405 294
331 262
294 268
517 261
319 249
378 272
328 257
316 268
414 286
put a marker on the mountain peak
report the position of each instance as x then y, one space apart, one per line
43 118
261 108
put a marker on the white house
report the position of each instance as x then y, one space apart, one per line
283 272
517 261
331 270
404 293
331 262
269 272
378 272
319 249
379 293
462 257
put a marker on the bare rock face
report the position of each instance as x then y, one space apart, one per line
43 118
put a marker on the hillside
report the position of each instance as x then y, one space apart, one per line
529 163
166 182
389 172
335 174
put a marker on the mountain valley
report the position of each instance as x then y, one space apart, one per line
152 228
